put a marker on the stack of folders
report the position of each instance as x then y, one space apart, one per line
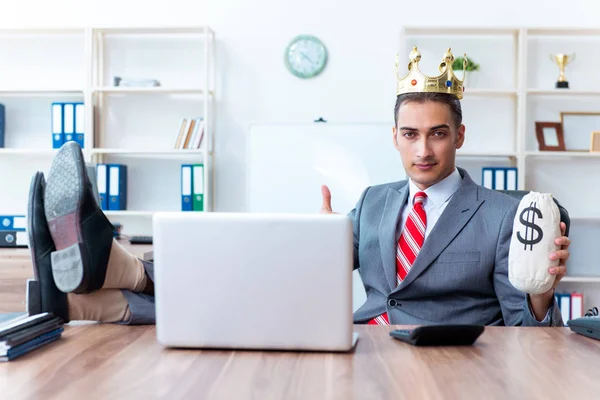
499 178
68 123
25 333
192 187
570 305
12 231
111 180
191 133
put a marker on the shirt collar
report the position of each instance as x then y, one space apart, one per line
439 193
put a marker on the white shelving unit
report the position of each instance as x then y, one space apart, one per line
185 59
136 126
514 88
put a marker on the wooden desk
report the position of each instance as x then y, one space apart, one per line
15 269
112 361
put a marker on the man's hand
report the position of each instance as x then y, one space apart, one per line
326 207
562 255
542 302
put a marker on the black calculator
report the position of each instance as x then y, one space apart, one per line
586 326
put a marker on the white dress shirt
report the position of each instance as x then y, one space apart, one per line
438 196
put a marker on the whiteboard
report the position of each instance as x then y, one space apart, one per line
287 164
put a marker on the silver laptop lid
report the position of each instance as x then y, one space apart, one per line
242 280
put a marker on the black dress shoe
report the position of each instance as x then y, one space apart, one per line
81 232
42 293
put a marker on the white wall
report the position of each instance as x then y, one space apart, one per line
253 84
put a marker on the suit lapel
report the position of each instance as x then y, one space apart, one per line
458 212
387 231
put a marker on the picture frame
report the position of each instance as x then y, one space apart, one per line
550 136
595 141
577 127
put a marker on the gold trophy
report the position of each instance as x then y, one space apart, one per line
562 60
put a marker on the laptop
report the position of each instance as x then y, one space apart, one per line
253 281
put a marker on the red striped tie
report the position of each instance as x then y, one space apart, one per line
410 243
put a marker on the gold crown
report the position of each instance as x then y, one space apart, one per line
415 81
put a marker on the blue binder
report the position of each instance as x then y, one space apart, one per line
69 122
58 136
117 187
13 223
186 187
102 183
499 178
79 124
2 124
564 305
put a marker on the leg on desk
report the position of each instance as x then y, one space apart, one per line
80 270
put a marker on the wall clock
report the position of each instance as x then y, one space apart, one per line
305 56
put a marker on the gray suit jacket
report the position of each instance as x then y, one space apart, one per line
461 272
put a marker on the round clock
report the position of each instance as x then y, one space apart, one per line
305 56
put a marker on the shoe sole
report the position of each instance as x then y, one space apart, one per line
62 202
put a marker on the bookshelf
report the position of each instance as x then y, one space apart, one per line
513 89
136 126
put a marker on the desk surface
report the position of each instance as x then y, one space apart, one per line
113 361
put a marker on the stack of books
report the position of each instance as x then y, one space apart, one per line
191 133
23 334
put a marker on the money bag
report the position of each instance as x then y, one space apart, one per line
536 226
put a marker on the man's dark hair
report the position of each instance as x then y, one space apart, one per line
422 97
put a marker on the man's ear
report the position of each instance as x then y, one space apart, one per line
460 136
394 138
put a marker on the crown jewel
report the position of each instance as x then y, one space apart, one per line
415 81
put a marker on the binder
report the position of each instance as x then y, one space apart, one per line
79 124
58 137
499 178
576 305
487 178
13 223
564 304
511 179
2 123
102 182
186 188
198 187
117 187
13 238
69 122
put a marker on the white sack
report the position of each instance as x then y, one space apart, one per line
536 226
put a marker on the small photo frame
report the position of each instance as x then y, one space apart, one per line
550 136
595 141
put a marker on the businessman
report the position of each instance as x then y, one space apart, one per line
434 248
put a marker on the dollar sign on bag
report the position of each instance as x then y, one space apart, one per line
530 225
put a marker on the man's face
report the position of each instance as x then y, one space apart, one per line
427 141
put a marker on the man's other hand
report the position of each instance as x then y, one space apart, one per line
326 206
